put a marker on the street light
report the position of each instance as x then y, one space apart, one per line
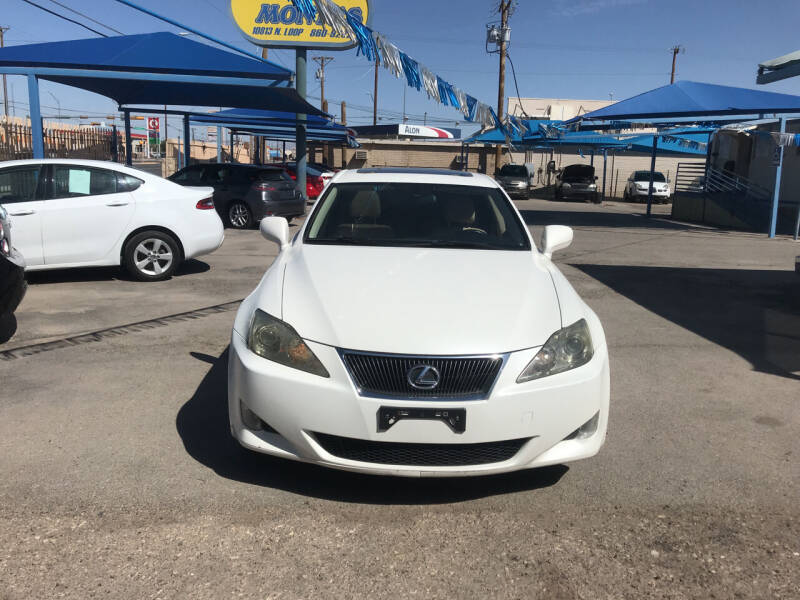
57 102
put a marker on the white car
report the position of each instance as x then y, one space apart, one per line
638 183
85 213
412 327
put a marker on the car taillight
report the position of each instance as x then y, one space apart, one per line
264 187
205 204
4 247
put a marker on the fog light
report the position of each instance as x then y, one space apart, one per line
250 419
586 430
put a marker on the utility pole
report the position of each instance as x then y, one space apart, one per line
675 50
264 53
5 89
505 9
375 95
322 61
344 113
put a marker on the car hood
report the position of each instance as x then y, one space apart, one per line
419 300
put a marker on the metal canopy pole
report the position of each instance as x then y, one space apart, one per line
652 174
230 156
187 141
128 141
300 136
773 223
37 135
605 160
219 143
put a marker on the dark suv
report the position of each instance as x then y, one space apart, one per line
245 194
577 181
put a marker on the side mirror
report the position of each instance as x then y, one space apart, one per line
275 229
556 237
596 178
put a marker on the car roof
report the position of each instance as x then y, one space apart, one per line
98 164
414 175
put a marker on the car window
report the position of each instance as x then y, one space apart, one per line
513 171
127 183
19 184
416 215
273 175
75 181
187 176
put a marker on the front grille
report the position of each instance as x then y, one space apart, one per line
387 375
419 455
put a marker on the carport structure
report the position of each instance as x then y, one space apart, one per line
152 69
686 100
273 125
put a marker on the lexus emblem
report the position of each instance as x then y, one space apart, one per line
423 377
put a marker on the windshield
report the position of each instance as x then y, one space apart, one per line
645 176
514 171
416 215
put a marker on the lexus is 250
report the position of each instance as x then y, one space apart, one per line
412 327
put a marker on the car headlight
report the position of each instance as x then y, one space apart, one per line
566 349
641 186
277 341
566 185
592 186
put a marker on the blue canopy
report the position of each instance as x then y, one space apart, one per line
688 99
158 68
248 116
277 125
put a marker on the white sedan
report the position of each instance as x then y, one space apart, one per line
85 213
412 327
638 183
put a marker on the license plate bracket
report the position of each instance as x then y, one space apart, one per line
455 418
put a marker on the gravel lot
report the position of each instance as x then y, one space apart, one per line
118 477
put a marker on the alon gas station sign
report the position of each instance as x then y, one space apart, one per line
279 24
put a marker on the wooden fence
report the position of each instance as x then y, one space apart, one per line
16 142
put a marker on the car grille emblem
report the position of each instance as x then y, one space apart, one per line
423 377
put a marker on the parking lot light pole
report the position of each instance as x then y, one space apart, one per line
300 132
652 174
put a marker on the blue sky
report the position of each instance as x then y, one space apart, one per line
584 49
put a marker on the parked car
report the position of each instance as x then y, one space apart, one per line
12 270
412 327
316 180
517 180
85 213
638 183
577 181
245 194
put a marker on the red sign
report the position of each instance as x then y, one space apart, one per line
153 123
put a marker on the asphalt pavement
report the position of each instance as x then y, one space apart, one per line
119 479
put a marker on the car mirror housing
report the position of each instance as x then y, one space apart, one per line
556 237
275 229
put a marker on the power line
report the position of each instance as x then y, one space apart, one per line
52 12
86 17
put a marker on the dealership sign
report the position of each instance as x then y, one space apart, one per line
280 24
424 131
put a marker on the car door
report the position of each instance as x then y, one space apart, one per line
84 215
21 189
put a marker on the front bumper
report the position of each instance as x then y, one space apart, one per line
656 194
298 405
515 190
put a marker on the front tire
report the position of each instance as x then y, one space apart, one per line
239 215
151 256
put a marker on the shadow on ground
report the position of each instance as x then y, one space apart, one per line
600 218
202 424
189 267
755 314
